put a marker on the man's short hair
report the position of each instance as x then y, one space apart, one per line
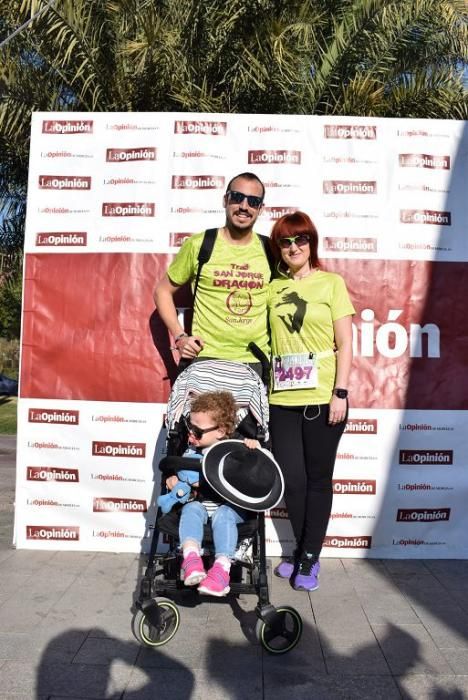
247 176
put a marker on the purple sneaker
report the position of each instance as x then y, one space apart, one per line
284 569
307 575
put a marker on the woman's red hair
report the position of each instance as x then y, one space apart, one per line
291 225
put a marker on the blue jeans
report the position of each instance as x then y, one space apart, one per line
224 523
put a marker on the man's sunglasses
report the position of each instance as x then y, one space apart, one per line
235 197
286 242
195 430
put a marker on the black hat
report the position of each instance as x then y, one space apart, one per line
247 478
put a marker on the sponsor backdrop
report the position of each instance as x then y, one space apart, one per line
111 199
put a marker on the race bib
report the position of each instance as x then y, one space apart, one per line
295 371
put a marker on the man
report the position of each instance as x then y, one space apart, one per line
230 301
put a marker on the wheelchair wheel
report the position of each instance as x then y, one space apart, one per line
152 636
282 633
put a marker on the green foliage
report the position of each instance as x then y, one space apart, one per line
383 58
10 305
8 410
292 56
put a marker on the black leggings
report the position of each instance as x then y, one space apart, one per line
304 445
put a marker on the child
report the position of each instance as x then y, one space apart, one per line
212 418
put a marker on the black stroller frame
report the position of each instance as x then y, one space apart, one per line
157 617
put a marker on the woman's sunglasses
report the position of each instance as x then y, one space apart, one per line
238 197
286 242
195 430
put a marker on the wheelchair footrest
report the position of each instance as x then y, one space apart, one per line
169 585
243 588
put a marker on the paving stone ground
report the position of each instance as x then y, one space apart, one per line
374 629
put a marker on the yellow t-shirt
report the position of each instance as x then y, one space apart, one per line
301 314
230 303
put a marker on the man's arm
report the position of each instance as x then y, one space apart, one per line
187 346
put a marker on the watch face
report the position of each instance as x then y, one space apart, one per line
341 393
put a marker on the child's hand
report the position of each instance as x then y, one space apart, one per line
171 482
251 443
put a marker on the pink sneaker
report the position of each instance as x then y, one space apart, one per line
216 582
193 569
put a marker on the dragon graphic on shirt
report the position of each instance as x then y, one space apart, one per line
293 322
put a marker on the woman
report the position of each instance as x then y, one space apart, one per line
311 335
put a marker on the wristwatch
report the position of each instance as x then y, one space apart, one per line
341 393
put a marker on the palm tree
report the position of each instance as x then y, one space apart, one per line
342 57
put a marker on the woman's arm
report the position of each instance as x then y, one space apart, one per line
343 331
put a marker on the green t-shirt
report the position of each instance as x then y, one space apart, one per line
301 315
230 303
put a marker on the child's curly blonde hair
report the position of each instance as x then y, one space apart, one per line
221 406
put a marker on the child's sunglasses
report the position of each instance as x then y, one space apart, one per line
235 197
286 242
195 430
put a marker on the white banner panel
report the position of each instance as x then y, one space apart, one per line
112 197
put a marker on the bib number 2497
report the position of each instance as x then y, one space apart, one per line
295 371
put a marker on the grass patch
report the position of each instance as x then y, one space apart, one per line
8 406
